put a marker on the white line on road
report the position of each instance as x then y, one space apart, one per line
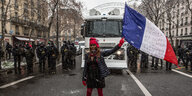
143 89
21 80
182 73
15 82
58 64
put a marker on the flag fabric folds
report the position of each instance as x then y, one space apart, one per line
146 36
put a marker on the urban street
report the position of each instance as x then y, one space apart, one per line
126 82
95 47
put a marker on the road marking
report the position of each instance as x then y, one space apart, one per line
15 82
58 64
180 67
21 80
182 73
143 89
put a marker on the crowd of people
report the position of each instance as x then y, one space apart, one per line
45 55
49 55
184 54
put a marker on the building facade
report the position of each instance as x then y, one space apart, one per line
173 18
25 20
69 24
181 27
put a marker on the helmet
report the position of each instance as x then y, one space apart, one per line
69 42
28 46
64 41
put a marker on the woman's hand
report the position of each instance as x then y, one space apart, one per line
121 42
84 83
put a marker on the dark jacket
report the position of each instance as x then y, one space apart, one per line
41 52
29 55
8 48
52 53
1 52
17 51
104 71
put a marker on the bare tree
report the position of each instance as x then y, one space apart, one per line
189 7
62 5
170 4
4 14
156 10
69 16
52 5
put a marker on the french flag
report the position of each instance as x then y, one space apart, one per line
146 36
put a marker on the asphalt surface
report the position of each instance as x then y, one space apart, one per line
120 83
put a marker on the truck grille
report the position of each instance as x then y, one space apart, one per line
106 44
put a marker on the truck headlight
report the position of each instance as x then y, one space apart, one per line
118 52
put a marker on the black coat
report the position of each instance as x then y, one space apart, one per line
29 55
8 48
52 53
41 52
102 67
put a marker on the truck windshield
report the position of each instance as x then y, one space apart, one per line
104 28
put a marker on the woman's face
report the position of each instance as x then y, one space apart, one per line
93 47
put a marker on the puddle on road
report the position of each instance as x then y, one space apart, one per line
124 88
72 92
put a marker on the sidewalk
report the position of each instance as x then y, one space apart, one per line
8 66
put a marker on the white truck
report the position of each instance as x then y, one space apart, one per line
107 29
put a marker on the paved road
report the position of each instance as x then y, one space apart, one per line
137 82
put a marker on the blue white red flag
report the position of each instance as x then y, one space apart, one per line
145 36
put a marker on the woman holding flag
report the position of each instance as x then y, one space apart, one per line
95 69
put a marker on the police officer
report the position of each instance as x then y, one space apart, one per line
130 55
17 58
52 56
63 52
155 62
48 47
73 55
144 60
1 55
41 54
188 57
70 55
181 54
8 50
135 56
28 54
168 65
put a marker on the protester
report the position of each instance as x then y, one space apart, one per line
95 69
